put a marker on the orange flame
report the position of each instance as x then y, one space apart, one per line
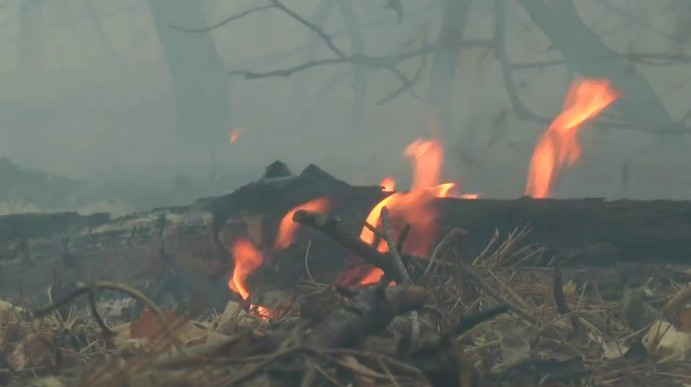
388 184
287 228
559 145
247 259
412 207
235 133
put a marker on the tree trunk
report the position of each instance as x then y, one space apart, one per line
357 44
586 53
445 61
200 85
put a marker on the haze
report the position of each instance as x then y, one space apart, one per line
115 95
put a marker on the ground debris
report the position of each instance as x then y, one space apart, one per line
492 321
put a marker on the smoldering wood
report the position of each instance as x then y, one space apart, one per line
188 246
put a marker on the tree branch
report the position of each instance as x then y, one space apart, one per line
224 22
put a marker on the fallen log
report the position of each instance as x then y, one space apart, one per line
190 244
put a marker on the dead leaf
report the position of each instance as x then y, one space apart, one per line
33 350
614 349
147 326
684 317
233 314
665 342
569 288
514 349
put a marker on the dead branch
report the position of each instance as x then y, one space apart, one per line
368 312
331 227
498 38
487 288
393 249
224 22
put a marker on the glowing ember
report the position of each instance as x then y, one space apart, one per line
387 184
559 145
235 133
247 259
287 229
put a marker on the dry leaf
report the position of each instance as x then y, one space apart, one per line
234 313
147 325
569 288
33 350
667 343
684 317
50 381
514 349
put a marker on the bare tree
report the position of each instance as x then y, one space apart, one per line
200 85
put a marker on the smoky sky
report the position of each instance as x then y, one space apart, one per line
87 92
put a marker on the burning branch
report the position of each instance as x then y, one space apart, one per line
331 227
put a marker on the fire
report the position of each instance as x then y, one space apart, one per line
413 207
247 259
559 145
427 158
235 133
388 184
287 228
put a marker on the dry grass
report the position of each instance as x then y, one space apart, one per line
588 343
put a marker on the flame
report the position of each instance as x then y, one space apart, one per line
388 184
287 228
247 259
427 158
413 207
559 145
235 133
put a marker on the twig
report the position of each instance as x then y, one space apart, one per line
224 22
393 249
468 322
324 37
505 66
331 227
130 291
402 272
487 288
307 255
456 235
97 317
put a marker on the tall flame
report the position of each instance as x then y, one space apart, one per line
413 207
247 259
559 145
287 228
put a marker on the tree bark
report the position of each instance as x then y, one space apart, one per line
445 61
357 44
200 85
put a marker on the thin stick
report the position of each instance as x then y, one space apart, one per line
130 291
487 288
402 272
